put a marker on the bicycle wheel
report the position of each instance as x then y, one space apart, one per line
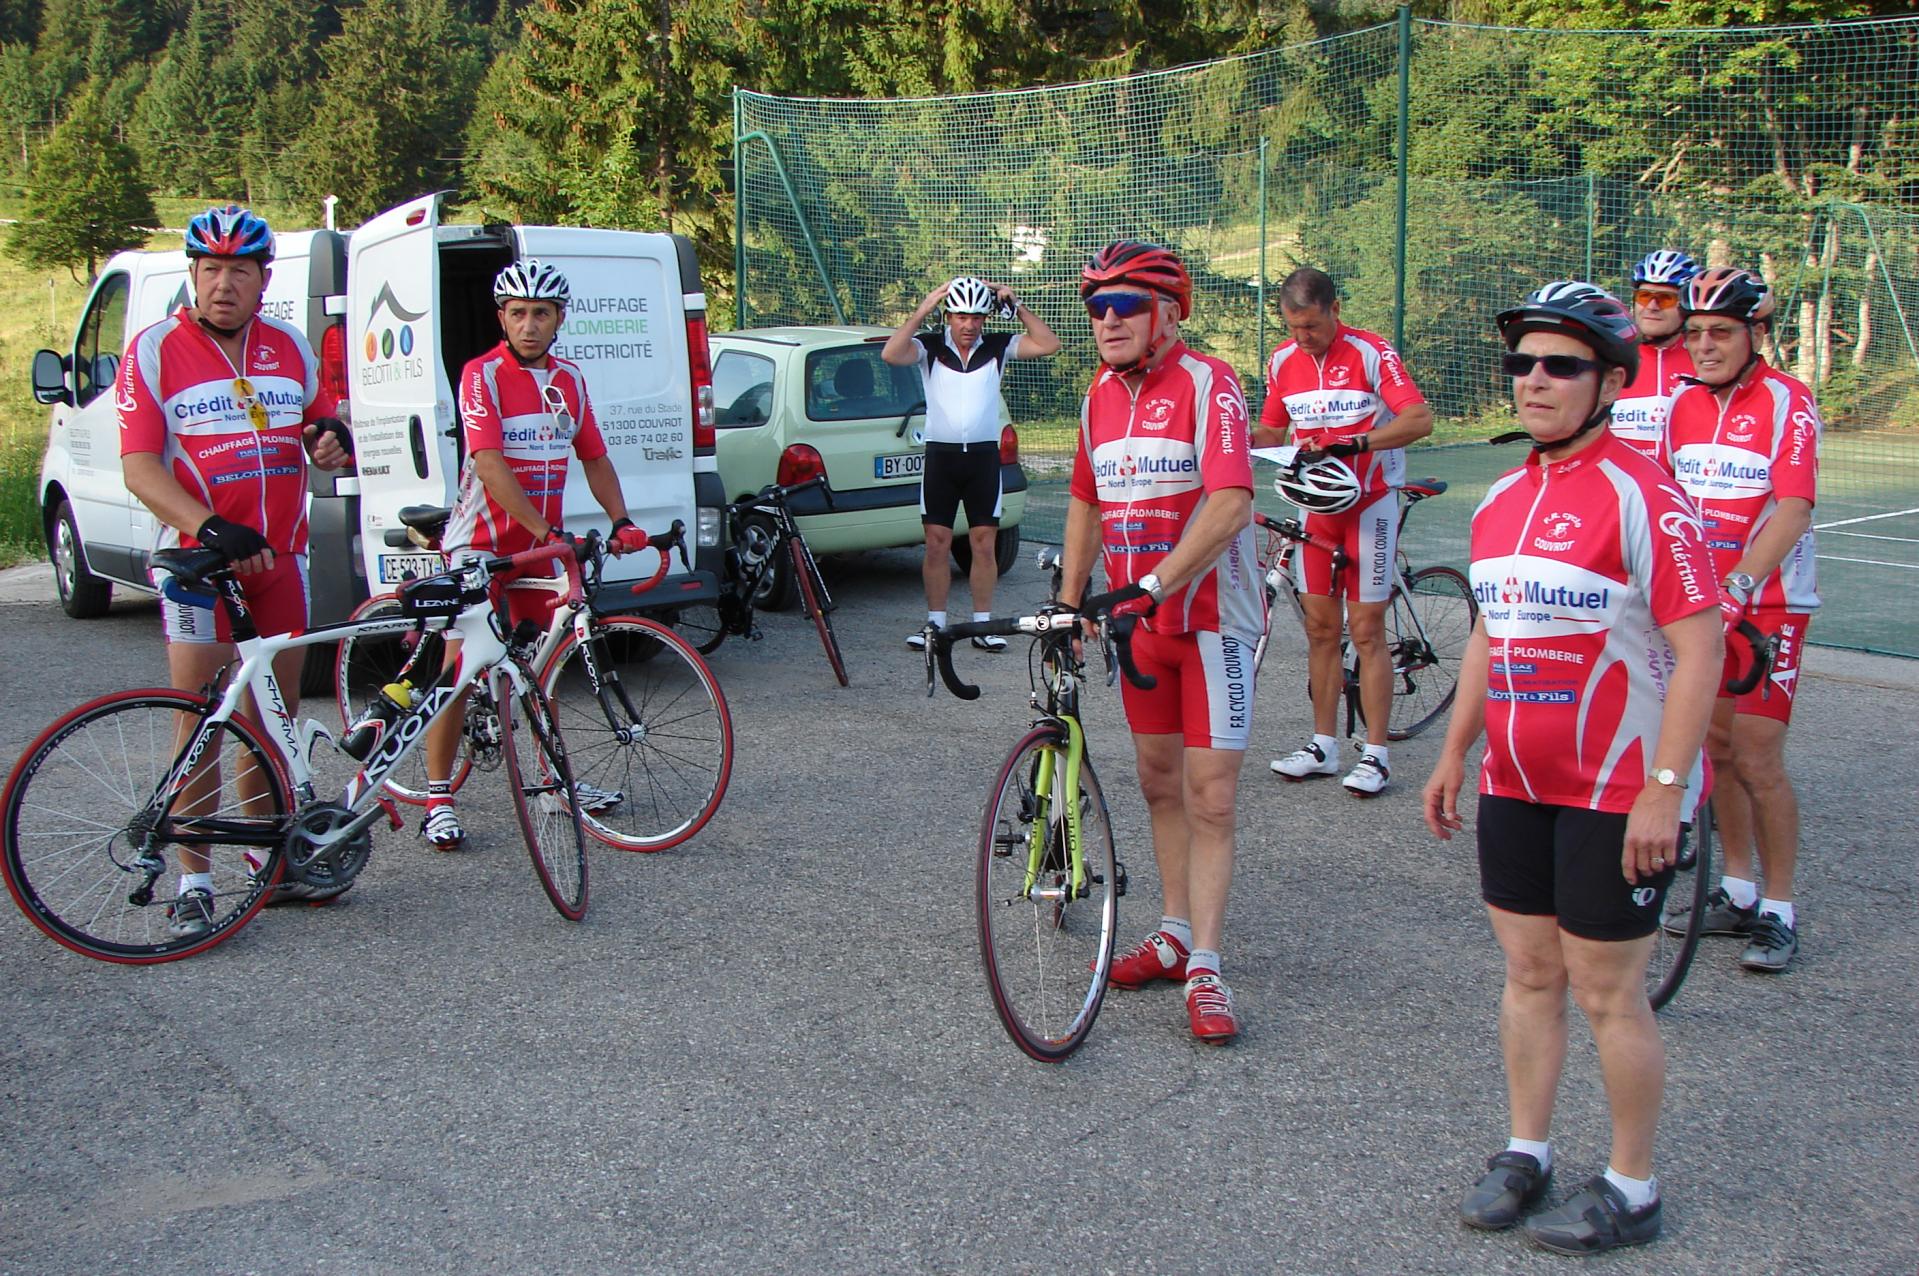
541 780
701 626
85 855
817 604
1677 938
368 662
659 744
1274 573
1047 951
1427 627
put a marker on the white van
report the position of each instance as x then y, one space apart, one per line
394 311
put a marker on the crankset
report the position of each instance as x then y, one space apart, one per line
321 853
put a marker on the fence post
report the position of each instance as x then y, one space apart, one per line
739 216
1592 215
1259 348
1405 100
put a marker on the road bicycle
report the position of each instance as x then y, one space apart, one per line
646 722
768 562
1677 938
1429 617
106 795
1049 879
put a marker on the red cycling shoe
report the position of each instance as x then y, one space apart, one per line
1159 956
1209 1005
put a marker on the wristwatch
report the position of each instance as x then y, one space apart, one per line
1666 777
1150 583
1741 586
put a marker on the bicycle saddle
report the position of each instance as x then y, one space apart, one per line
429 519
1420 489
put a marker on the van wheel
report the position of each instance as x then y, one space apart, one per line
82 594
1005 551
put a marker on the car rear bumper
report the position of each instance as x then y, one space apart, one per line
883 517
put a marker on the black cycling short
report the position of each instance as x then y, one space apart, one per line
956 473
1563 862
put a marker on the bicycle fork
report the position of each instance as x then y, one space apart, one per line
1058 796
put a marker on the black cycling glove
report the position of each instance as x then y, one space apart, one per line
1346 447
337 428
235 540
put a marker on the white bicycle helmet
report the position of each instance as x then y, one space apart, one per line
1666 266
1325 486
969 296
531 279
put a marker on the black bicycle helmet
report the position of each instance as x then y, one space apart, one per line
1583 311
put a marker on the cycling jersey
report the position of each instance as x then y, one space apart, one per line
1738 460
232 437
962 395
1639 414
1359 384
504 408
1575 565
1147 458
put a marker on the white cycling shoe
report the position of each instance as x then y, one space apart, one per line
1368 777
1306 764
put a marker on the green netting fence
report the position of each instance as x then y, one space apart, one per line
1437 171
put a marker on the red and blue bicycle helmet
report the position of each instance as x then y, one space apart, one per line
230 232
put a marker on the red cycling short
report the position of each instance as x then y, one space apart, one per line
1369 534
1773 697
1204 691
277 597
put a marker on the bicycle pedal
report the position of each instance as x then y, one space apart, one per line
393 818
1119 879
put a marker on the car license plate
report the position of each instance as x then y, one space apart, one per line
395 567
899 465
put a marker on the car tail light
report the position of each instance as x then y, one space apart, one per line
1008 446
333 360
700 364
799 463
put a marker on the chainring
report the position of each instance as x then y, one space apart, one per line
314 859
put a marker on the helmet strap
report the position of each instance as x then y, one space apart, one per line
1602 413
226 334
1156 344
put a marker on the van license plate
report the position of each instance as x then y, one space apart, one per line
394 567
899 465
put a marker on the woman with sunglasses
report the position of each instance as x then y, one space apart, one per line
1639 415
1591 675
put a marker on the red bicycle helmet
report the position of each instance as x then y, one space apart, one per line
1144 265
1729 291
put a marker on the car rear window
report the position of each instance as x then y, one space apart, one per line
742 389
852 383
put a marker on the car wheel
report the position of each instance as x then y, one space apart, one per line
1005 551
82 594
776 590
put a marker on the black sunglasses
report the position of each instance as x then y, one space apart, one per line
1560 367
1123 304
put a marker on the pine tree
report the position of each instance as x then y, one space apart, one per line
86 200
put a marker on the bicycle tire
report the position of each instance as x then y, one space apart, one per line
541 781
671 761
1047 961
1271 557
817 604
367 662
700 624
73 798
1429 620
1685 905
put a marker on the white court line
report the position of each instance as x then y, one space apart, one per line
1869 562
1844 522
1871 536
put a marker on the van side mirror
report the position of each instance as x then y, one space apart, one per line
50 378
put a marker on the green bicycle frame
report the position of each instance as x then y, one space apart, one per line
1041 831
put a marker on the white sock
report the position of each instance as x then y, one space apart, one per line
1744 893
1376 751
1201 960
982 615
189 881
1639 1193
936 618
1328 747
1780 908
1179 928
1538 1149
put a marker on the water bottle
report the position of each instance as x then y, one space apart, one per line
364 736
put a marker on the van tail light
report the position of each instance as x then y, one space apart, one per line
799 463
700 365
333 360
1008 446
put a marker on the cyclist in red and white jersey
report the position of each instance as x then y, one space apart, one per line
1343 391
525 411
1744 442
1590 674
1162 492
220 410
1639 417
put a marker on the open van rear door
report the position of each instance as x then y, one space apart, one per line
626 328
402 400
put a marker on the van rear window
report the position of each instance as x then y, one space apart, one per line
852 383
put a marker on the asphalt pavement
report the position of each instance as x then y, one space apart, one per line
771 1049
